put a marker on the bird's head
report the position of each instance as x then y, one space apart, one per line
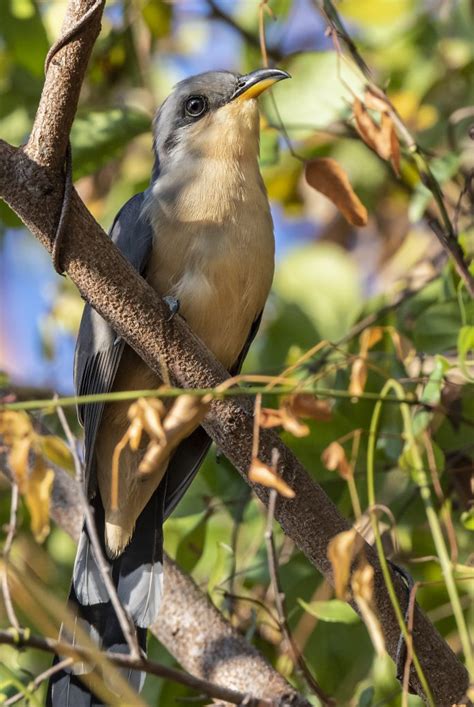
211 115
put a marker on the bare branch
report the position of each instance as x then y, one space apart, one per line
27 640
7 600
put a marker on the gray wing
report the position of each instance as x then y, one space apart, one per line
98 349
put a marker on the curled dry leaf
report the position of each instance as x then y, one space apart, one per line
37 498
358 377
327 176
260 473
362 584
382 138
269 417
334 458
186 413
34 484
308 405
367 340
283 417
342 550
135 433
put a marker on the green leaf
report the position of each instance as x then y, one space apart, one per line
467 519
466 349
431 395
366 697
57 451
436 328
100 136
325 269
333 610
269 147
24 34
315 96
382 12
191 547
221 567
157 15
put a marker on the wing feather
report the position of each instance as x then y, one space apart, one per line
98 350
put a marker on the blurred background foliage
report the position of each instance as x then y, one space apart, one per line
329 276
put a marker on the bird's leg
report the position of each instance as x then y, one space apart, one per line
172 304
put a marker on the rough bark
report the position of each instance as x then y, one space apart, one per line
135 311
187 618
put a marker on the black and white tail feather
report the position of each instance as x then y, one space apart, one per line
137 575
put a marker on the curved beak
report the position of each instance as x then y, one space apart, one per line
253 84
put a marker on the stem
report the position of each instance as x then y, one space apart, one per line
378 540
74 400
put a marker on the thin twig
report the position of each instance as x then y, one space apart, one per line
40 679
448 523
409 644
444 229
126 624
7 600
279 598
28 640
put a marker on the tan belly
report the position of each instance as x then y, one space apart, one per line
221 274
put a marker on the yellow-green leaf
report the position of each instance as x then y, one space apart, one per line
57 451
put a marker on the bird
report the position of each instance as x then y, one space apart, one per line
202 236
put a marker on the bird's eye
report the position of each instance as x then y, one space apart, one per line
195 106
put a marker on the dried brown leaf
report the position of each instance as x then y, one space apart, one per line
260 473
369 338
403 346
283 417
153 418
327 176
154 457
334 458
383 142
37 498
358 377
394 151
135 432
186 413
308 405
342 550
18 460
362 584
382 138
365 126
14 425
183 417
293 425
269 417
375 102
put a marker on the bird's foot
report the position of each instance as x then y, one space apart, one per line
173 306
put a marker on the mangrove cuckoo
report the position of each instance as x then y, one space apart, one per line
202 236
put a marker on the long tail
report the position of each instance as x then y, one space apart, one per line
138 577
